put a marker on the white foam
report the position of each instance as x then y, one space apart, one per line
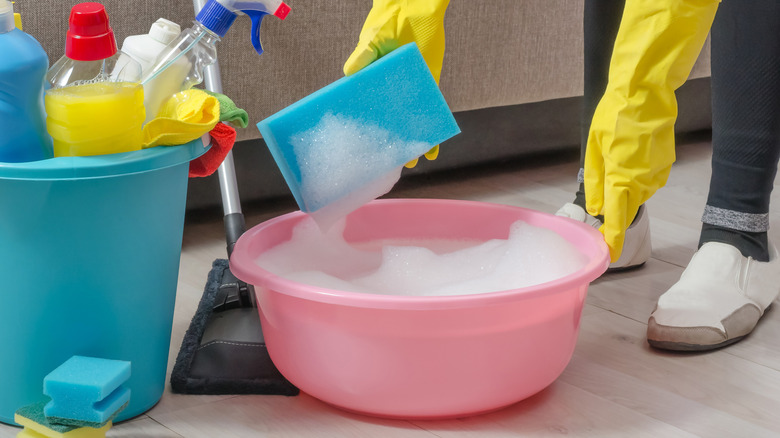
345 163
338 209
310 249
531 255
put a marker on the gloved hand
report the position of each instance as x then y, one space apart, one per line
630 147
391 24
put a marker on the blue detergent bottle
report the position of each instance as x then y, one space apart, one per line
22 71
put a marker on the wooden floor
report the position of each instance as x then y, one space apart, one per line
614 386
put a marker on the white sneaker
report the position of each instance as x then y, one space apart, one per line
718 300
637 246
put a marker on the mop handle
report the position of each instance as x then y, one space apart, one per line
228 185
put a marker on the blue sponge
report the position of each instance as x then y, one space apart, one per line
390 113
86 391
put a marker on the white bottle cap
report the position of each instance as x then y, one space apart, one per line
164 30
7 23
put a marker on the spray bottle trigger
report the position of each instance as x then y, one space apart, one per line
257 17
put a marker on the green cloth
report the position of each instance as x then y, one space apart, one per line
229 112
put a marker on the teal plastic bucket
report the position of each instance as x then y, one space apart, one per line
89 262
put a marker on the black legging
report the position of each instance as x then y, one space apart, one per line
601 21
745 124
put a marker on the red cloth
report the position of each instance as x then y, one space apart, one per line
223 137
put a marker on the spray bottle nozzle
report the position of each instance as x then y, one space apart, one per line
218 15
282 11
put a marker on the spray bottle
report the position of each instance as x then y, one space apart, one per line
197 45
23 136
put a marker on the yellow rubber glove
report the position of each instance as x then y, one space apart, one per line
630 147
393 23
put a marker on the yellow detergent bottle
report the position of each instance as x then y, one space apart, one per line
95 118
95 105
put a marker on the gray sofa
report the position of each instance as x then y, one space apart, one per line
512 75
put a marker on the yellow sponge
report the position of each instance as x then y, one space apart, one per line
36 426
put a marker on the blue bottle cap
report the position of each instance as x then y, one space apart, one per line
216 17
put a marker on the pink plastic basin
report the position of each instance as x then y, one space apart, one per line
419 357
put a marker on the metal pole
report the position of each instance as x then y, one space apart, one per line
228 185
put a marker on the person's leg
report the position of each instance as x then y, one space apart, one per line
735 274
601 21
746 125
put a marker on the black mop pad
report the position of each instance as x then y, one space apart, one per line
224 352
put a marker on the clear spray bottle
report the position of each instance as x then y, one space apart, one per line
195 48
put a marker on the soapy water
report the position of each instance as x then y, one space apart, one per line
122 71
530 255
345 163
102 77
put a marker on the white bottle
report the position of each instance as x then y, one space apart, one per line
144 49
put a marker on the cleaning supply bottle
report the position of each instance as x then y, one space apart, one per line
145 48
17 19
197 45
22 71
95 105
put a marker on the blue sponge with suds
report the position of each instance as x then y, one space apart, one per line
86 391
396 108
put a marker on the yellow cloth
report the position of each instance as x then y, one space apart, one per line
391 24
630 147
185 116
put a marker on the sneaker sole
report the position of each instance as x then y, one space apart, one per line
625 268
681 346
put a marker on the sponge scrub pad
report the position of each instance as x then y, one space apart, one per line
36 425
348 135
86 391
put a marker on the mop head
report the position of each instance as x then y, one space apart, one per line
225 366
